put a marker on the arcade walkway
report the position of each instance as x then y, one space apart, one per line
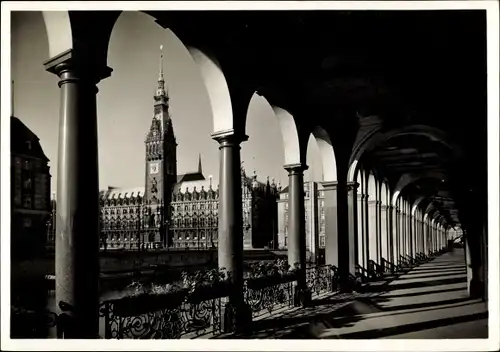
427 302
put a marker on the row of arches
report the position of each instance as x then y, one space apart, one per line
349 220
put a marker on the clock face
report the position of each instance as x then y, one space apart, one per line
153 168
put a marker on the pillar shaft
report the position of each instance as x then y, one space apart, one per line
384 232
341 203
362 260
296 220
230 241
396 234
391 216
372 230
77 217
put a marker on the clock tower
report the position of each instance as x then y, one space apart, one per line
161 151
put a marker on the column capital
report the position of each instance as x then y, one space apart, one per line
82 67
352 186
329 185
228 137
295 168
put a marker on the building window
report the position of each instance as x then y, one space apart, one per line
322 241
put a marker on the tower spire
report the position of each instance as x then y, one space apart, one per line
160 92
200 171
160 77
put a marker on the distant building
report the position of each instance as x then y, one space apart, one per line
30 191
314 219
180 211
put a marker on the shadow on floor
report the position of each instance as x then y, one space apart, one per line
402 286
413 276
377 300
385 332
413 294
304 323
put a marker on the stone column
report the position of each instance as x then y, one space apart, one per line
230 227
413 237
372 230
396 234
418 226
341 229
350 260
379 228
362 260
383 232
391 212
401 233
296 223
77 218
473 261
427 245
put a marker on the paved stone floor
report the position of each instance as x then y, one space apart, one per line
427 302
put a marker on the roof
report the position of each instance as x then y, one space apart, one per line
116 193
190 176
19 135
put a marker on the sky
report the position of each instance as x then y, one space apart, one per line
125 105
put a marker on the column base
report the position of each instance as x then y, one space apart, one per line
476 289
302 297
236 318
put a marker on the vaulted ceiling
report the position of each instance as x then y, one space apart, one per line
406 67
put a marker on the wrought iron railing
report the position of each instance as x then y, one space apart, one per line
162 317
321 279
267 294
183 313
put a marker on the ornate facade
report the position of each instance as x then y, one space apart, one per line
314 218
180 211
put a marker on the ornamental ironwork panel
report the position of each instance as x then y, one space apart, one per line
321 279
268 297
186 320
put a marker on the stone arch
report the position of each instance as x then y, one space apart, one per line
217 89
327 153
407 179
59 32
384 197
378 136
290 136
372 186
415 205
